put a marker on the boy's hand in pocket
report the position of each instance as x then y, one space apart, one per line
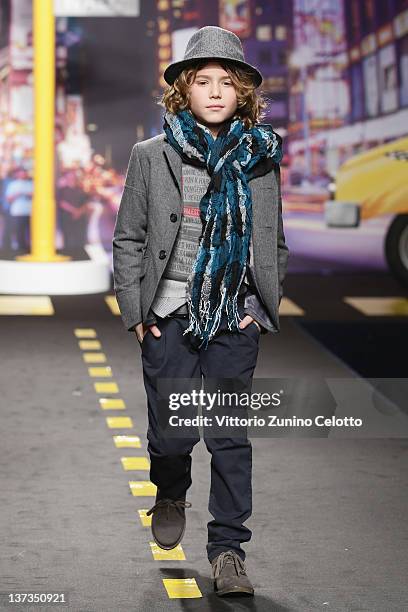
247 320
142 329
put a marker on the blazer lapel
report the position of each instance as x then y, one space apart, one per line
175 163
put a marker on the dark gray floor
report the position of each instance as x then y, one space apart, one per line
329 522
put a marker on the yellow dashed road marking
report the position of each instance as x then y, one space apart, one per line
107 403
26 305
142 487
94 357
135 463
176 588
127 441
119 422
82 332
89 345
112 304
145 520
102 387
181 588
103 372
159 554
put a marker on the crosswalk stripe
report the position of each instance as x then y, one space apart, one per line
379 306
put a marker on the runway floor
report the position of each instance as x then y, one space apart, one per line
329 514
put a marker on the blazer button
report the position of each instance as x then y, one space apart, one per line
173 217
162 254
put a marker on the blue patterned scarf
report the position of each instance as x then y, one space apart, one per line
225 212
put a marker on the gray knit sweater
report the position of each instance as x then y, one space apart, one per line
171 292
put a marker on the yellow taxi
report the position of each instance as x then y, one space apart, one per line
370 184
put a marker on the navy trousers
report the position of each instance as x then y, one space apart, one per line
230 354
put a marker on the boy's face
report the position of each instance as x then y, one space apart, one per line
212 86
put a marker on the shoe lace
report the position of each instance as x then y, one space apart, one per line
179 504
228 557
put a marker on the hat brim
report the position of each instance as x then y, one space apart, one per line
173 70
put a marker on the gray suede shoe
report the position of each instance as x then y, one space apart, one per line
229 574
168 521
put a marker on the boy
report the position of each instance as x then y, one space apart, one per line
199 259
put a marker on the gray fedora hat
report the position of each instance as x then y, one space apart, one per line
212 42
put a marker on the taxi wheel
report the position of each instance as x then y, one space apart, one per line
396 248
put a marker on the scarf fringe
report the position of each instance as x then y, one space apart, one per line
233 318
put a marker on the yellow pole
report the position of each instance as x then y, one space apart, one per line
43 214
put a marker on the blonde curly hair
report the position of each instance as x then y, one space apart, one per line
251 104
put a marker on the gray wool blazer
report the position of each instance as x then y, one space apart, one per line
148 220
